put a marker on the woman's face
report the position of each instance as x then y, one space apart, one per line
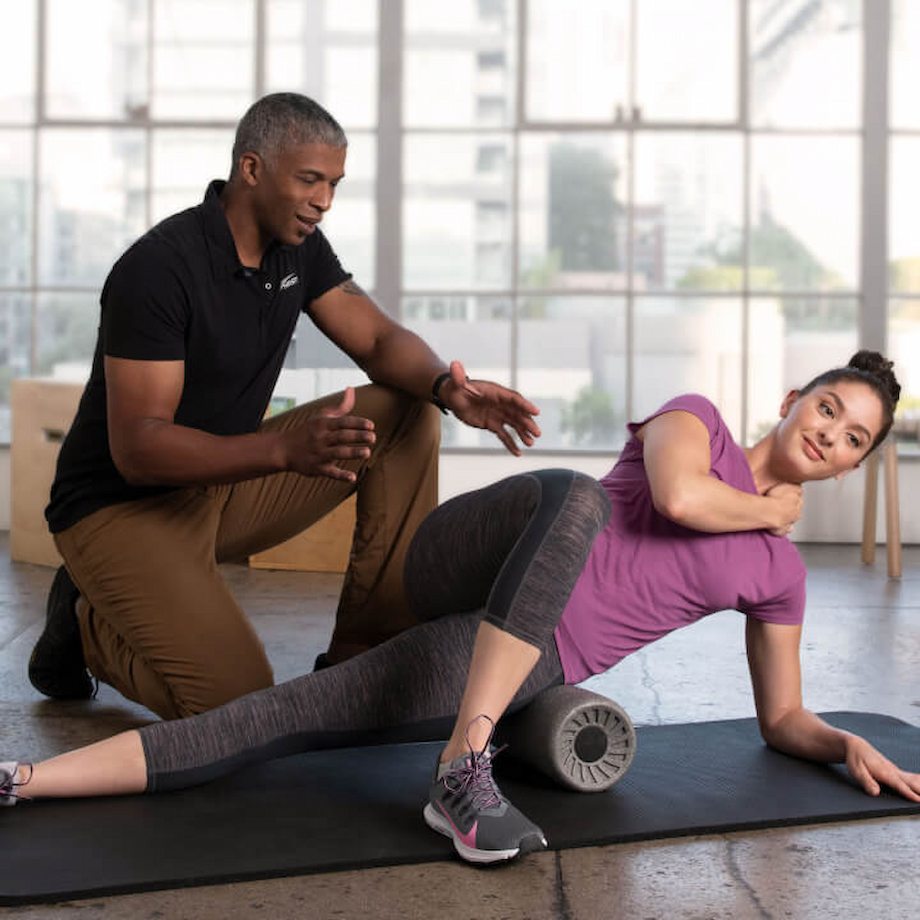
827 431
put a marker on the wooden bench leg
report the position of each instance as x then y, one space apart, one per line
870 508
892 510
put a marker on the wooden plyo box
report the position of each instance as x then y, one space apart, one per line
42 411
324 547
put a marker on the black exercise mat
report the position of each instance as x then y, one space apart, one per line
361 807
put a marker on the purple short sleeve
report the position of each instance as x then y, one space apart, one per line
786 608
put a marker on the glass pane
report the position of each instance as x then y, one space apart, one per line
66 334
905 64
92 202
806 63
203 58
904 235
688 345
457 217
805 213
577 65
16 207
572 211
184 162
96 60
687 60
15 336
904 350
17 61
327 50
459 68
351 224
572 364
790 341
474 330
687 222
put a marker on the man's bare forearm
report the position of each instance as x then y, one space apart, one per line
402 359
157 452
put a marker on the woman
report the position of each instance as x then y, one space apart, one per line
526 584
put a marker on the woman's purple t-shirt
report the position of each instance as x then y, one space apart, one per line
646 576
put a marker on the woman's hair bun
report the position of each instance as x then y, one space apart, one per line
879 367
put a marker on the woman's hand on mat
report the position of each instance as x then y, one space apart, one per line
483 404
786 508
871 769
317 447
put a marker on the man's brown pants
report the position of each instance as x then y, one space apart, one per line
156 619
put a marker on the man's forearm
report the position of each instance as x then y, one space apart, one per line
157 452
402 359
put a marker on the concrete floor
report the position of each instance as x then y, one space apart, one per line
861 651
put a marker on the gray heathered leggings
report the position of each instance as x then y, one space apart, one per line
509 553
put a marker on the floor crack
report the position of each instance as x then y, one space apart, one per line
734 870
563 908
651 685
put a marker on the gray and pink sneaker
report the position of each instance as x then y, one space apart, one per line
8 783
465 804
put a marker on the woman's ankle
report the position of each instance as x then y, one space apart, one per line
474 736
24 774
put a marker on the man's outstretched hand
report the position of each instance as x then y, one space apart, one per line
483 404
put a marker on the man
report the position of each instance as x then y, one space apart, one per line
168 468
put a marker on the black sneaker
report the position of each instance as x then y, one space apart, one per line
465 804
57 667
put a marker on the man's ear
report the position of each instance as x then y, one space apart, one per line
251 167
791 397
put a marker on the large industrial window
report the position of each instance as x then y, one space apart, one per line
601 203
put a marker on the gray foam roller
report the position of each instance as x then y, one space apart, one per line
577 738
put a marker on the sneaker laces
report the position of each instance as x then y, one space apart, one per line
474 776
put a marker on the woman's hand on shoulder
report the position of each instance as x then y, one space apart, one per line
870 768
786 499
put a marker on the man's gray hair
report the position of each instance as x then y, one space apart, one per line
281 120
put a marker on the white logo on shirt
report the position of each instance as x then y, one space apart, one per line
288 281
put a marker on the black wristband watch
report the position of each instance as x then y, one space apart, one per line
436 388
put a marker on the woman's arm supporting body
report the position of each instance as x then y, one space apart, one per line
773 659
677 462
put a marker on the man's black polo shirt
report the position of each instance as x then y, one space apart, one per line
180 293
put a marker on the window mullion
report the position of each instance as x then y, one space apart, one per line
40 109
388 261
873 314
260 51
